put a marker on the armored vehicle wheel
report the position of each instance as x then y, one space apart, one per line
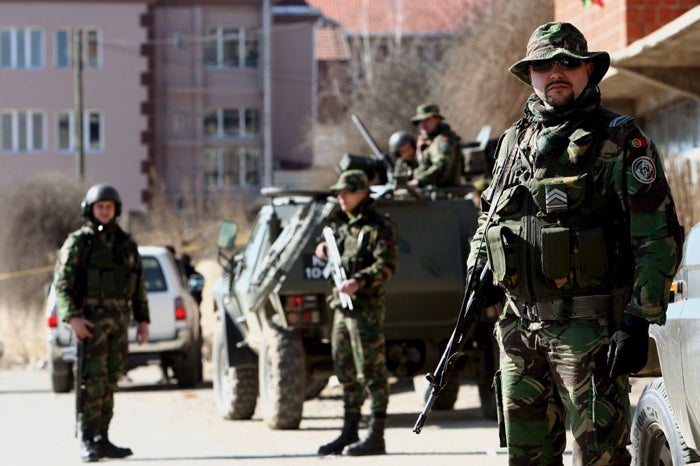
656 438
62 380
281 377
448 396
236 388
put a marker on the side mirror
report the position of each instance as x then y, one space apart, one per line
226 236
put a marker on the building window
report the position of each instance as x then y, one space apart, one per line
221 123
231 48
93 139
21 48
227 167
22 131
92 48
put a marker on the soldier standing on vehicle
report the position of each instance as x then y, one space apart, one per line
369 254
402 147
439 154
585 241
99 283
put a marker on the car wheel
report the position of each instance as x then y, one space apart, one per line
656 439
188 366
281 377
236 388
314 387
62 379
448 396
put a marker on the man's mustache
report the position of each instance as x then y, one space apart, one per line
558 82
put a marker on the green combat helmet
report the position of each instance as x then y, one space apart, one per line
397 140
101 192
351 181
554 40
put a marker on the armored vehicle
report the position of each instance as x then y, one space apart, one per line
274 322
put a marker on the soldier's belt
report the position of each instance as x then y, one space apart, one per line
107 302
579 307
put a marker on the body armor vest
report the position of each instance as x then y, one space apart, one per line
556 229
110 272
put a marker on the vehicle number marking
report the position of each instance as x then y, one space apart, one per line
314 268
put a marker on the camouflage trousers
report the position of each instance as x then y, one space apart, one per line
104 363
554 373
359 358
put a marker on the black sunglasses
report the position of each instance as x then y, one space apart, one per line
565 63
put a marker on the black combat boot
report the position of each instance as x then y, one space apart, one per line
88 448
347 436
373 444
106 449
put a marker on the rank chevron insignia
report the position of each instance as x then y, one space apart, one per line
556 200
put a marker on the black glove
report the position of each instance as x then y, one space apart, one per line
489 293
629 346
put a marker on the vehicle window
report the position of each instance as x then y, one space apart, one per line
155 281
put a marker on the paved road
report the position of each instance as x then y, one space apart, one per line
168 426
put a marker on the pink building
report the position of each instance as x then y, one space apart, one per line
195 96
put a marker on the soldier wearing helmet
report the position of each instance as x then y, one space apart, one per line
402 147
99 287
583 237
439 154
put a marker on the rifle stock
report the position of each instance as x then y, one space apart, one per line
471 303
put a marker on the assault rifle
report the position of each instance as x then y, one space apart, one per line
474 299
79 366
337 269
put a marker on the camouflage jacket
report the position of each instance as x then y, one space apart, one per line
439 158
585 209
77 261
368 248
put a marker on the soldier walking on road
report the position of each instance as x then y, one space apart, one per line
369 255
99 283
584 240
439 153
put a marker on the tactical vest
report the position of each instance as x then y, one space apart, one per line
558 231
110 276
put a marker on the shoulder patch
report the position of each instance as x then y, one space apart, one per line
644 170
638 143
621 120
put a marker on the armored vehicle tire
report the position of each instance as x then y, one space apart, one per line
188 367
281 377
656 438
236 388
62 380
448 397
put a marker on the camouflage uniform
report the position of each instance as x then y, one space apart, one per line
369 254
439 155
99 277
584 231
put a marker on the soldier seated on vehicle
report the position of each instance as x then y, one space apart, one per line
402 147
438 150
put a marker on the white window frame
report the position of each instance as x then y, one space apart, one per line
243 131
90 60
245 37
87 115
23 131
245 156
19 43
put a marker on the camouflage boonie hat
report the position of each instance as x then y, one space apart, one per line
553 40
351 181
424 111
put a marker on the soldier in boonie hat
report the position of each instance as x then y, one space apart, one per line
559 40
351 180
425 111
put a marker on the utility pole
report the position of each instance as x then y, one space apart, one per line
78 98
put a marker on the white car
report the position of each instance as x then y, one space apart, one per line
175 330
666 424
